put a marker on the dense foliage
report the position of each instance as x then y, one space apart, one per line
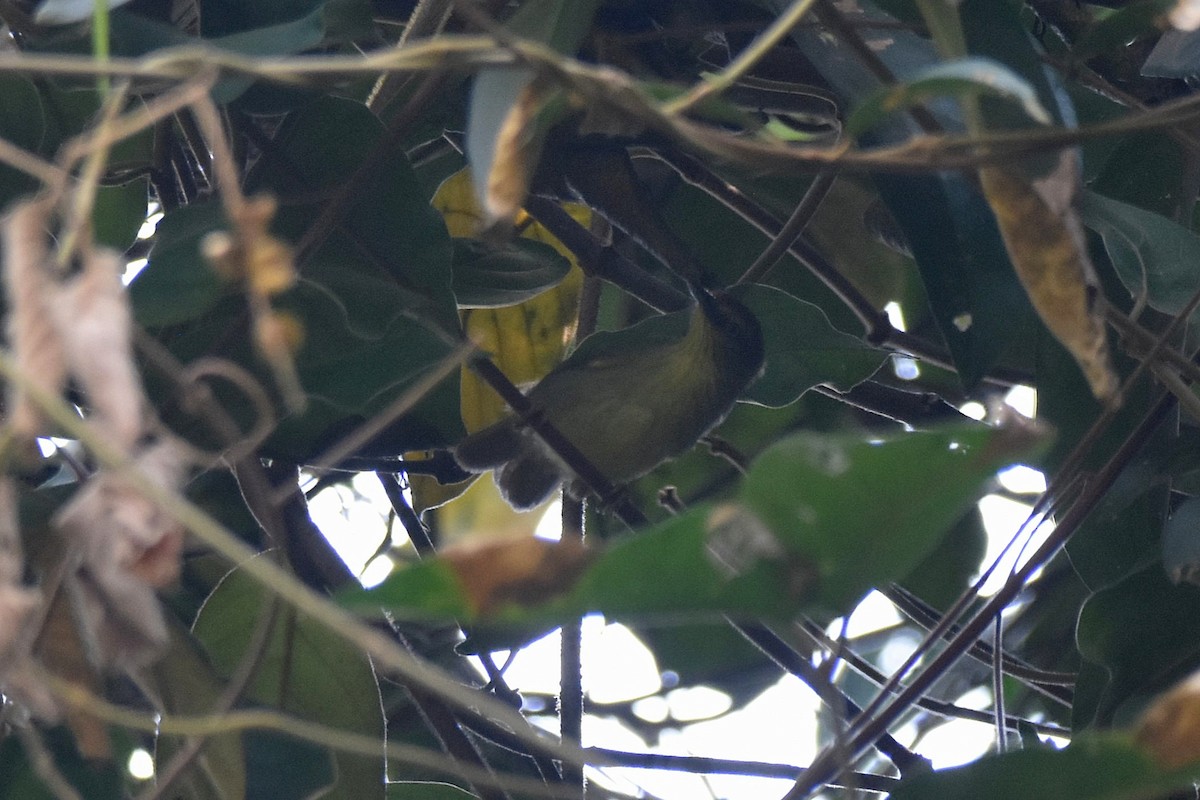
923 203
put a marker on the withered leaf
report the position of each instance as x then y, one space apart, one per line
1045 242
525 571
1169 730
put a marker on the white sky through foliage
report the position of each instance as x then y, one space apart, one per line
780 725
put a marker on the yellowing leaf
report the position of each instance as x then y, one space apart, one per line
481 514
455 199
428 493
526 340
1045 243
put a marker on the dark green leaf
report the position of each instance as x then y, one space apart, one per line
994 29
186 684
488 276
803 349
19 781
279 767
976 299
821 519
178 285
947 571
1153 256
425 790
119 213
1146 632
1144 170
22 123
1116 30
304 669
1121 535
386 228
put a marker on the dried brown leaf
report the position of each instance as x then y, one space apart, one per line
524 571
514 158
37 349
1169 730
1045 242
128 546
95 324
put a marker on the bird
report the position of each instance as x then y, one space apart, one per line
625 409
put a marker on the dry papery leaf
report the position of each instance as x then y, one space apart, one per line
83 324
1185 15
91 312
17 606
17 601
1169 730
525 571
37 348
128 547
1045 242
515 157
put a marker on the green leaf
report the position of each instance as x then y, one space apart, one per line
386 230
425 790
22 123
976 299
1146 632
820 520
305 670
1121 535
185 683
1118 29
803 349
947 571
119 213
20 782
281 768
1095 766
994 29
374 300
1153 256
857 511
1143 170
177 285
487 276
968 76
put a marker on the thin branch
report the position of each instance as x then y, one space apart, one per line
786 657
616 92
603 261
79 697
388 656
745 61
43 764
243 674
792 229
725 766
933 705
364 433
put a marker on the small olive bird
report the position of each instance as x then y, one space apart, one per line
626 411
